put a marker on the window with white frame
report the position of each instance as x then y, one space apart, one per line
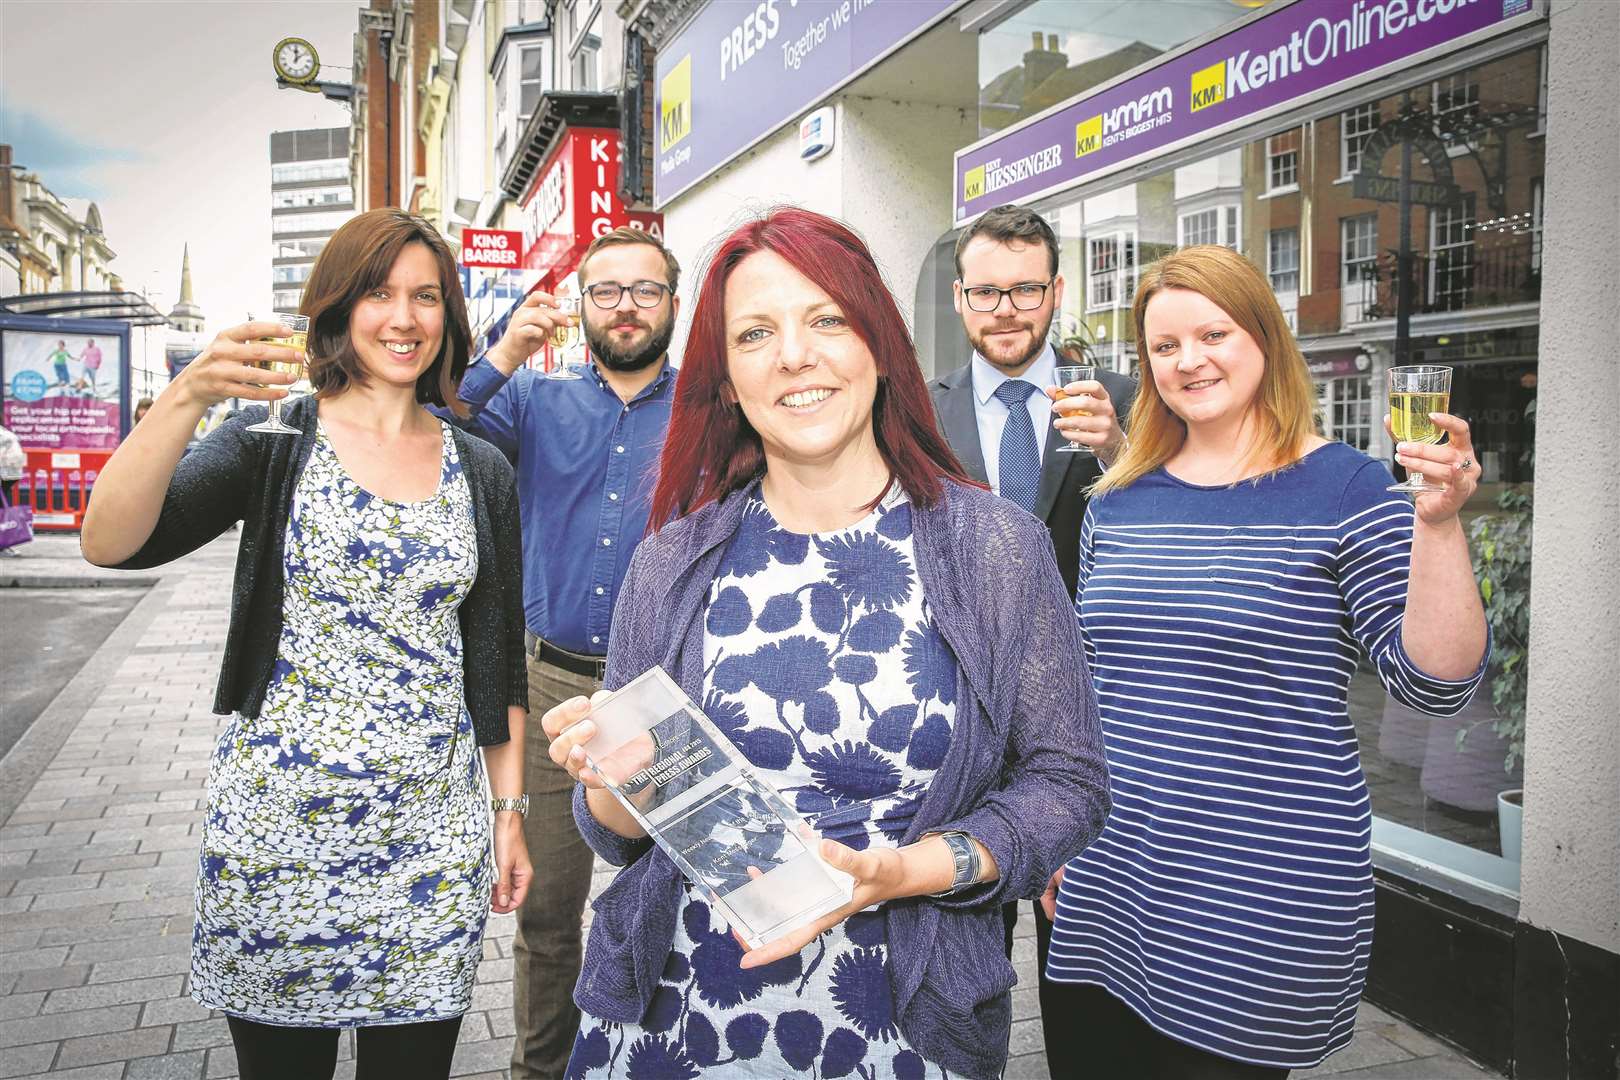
1110 270
1217 225
293 171
1456 104
1451 255
1541 93
1282 267
323 221
1355 128
1282 161
315 196
1535 227
531 81
1359 250
585 49
522 76
1347 410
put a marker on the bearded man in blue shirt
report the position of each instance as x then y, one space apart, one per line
586 452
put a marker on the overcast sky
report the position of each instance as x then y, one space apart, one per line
161 112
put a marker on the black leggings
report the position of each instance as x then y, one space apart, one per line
383 1052
1092 1035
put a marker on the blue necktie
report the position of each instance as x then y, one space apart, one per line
1020 460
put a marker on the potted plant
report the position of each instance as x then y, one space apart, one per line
1501 555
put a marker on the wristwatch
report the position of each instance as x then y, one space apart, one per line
519 804
966 857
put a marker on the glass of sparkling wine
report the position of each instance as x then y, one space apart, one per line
566 334
1064 375
1414 393
294 336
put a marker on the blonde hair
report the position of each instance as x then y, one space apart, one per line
1285 404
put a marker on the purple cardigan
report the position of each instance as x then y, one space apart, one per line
1024 774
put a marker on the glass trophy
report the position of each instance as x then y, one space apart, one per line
728 830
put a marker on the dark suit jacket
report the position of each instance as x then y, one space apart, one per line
1061 500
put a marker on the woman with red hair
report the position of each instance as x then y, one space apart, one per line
889 644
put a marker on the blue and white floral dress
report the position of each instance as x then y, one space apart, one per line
346 867
825 668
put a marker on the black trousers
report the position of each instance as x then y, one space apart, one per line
384 1052
1092 1035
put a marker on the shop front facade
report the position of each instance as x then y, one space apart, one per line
1390 166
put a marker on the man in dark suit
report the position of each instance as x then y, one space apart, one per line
996 411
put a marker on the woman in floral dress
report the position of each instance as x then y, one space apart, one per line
348 859
889 646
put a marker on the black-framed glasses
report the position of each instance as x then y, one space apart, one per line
1026 297
645 294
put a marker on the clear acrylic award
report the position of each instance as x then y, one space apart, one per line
728 830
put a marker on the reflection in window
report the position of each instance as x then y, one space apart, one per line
1360 282
1451 266
1282 267
1111 270
1348 412
1217 225
1282 161
1355 128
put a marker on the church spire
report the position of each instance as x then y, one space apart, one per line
186 316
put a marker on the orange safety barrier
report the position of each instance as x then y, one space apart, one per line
57 485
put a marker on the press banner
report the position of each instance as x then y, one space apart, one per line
1283 58
741 70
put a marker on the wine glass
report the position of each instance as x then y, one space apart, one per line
295 336
1065 374
1414 393
565 336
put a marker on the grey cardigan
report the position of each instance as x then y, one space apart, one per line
1024 774
236 475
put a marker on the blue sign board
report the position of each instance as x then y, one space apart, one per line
740 70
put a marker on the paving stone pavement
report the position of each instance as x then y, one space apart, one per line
102 806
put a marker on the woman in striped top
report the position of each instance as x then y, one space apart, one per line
1233 565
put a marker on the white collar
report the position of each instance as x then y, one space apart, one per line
987 378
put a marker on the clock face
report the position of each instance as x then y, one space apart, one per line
295 60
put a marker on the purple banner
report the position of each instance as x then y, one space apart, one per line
1282 58
741 70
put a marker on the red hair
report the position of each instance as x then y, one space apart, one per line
712 450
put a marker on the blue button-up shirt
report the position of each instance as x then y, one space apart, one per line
586 463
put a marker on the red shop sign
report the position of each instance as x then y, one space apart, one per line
498 249
575 199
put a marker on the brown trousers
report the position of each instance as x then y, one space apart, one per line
548 946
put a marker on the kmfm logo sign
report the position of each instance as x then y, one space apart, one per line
675 105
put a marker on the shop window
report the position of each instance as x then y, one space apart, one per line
1456 109
1535 228
1355 128
1217 225
1282 267
1451 251
1110 270
1359 284
1282 162
585 52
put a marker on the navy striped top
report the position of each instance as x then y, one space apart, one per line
1229 900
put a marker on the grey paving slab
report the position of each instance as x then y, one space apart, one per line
22 1060
120 1046
35 1029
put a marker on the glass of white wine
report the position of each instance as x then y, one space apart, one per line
1063 376
566 334
1414 393
295 335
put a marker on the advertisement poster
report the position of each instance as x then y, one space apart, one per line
63 390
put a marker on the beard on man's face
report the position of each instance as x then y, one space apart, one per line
637 353
1012 352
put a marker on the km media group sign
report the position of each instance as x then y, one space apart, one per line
1276 60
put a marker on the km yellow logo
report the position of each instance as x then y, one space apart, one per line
973 183
675 105
1087 136
1209 86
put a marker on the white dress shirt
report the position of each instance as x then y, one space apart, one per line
992 414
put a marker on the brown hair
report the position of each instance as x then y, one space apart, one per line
357 259
1004 223
1285 403
628 234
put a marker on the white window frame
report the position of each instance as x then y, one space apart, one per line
1354 282
1287 297
509 81
1338 397
1278 163
1118 279
1537 193
1451 237
576 47
1448 86
1354 131
1228 226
